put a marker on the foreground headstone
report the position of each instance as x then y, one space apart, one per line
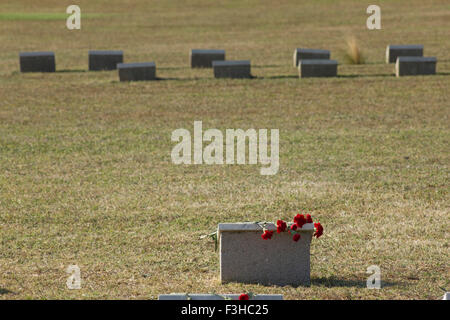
245 257
304 54
446 296
317 68
232 69
141 71
183 296
104 59
204 58
415 66
395 51
43 61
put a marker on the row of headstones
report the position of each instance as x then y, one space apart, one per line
409 60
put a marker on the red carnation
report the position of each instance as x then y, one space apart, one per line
281 226
309 218
267 235
319 229
296 237
294 227
300 220
244 296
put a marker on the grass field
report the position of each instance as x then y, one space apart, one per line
86 175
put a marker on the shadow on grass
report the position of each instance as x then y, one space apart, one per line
5 291
71 71
333 282
366 75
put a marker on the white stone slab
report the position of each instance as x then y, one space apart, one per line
183 296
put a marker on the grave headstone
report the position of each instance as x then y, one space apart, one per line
43 61
245 257
317 68
232 69
140 71
201 58
413 66
104 59
395 51
303 54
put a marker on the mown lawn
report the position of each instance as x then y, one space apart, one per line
86 175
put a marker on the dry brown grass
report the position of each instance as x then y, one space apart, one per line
86 176
354 54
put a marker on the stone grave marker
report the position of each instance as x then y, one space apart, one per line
104 59
201 58
395 51
140 71
232 69
245 257
43 61
414 66
317 68
304 54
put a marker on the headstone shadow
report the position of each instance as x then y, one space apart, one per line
332 282
5 291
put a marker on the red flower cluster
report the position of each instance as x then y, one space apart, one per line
299 221
319 229
244 296
267 235
281 226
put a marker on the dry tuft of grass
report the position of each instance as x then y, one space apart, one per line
353 54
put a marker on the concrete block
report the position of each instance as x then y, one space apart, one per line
184 296
204 58
245 257
395 51
37 61
413 66
303 54
137 71
232 69
104 60
317 68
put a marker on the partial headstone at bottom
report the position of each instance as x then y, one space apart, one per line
317 68
43 61
415 66
141 71
184 296
104 59
232 69
446 296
